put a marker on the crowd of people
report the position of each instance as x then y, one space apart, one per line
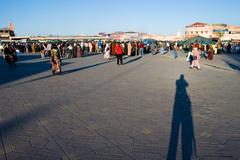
77 49
57 50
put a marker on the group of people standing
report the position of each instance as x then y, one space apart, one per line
130 48
125 48
78 49
198 51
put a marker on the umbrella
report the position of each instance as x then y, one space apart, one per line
198 39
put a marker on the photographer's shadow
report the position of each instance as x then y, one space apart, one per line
182 121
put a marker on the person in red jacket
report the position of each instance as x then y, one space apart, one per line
119 53
141 46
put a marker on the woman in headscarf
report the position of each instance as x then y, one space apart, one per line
33 48
196 57
210 53
55 60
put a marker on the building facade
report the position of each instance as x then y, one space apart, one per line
7 33
123 36
199 29
218 31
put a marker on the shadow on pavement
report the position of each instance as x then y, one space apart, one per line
233 56
23 70
182 121
91 54
233 66
132 60
85 67
28 56
18 120
45 67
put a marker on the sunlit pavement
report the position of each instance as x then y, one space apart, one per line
150 108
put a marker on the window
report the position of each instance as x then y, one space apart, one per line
196 32
201 32
191 32
206 32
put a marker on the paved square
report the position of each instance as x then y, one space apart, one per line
151 108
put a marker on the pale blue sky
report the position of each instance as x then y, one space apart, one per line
74 17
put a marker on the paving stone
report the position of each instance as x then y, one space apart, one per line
111 112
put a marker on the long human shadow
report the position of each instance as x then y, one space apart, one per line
31 113
28 56
86 67
182 122
233 66
18 120
133 60
90 54
23 70
63 73
235 56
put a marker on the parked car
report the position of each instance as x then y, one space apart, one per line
147 44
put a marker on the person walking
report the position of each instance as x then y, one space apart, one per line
219 47
136 49
119 52
113 49
175 51
96 47
129 49
33 48
79 51
43 51
74 50
70 51
196 57
1 48
49 46
229 47
238 48
190 54
141 47
210 53
107 54
82 46
55 60
100 46
90 47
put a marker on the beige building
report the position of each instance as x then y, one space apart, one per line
7 33
199 29
212 31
